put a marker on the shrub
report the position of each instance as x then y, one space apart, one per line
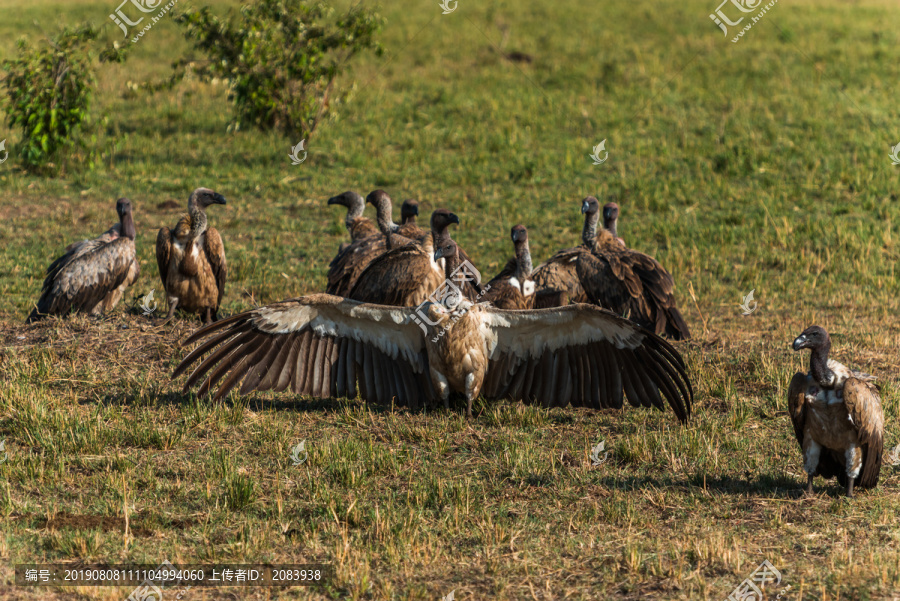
281 58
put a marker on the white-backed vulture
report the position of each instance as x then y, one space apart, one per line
191 260
409 213
513 287
326 346
610 219
837 417
408 275
628 282
92 275
559 271
351 260
358 227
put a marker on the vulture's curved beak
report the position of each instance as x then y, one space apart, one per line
415 209
800 342
585 207
219 199
515 236
453 218
333 200
438 254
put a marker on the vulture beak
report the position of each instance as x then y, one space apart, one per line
415 209
453 218
800 342
438 254
333 200
219 199
585 207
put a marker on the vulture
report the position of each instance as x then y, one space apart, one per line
513 287
358 227
191 260
409 211
326 346
610 218
408 275
837 417
92 275
559 271
351 260
627 282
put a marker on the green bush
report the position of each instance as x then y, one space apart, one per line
280 57
48 91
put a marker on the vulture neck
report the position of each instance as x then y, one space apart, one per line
385 223
354 212
523 261
818 365
589 233
199 223
610 226
126 225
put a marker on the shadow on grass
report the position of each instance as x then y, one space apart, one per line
765 485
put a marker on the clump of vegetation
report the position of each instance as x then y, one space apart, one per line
48 91
281 58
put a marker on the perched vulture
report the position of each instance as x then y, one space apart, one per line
358 226
610 218
409 211
92 275
351 260
837 417
326 346
559 271
513 288
409 275
192 260
628 282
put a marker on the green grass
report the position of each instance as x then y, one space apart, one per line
758 165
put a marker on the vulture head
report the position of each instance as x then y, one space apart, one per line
818 340
440 221
126 219
354 202
519 237
382 203
590 206
409 211
610 216
448 250
204 197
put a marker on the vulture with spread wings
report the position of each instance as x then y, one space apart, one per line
92 275
837 417
327 346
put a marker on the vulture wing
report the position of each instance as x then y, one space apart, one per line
559 273
319 345
864 406
164 253
84 276
402 277
349 263
411 231
634 284
583 355
829 464
215 254
362 227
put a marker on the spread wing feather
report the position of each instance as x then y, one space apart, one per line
318 345
582 355
864 405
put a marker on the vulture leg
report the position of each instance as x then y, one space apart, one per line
850 487
173 303
809 487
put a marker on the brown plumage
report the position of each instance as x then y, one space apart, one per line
191 260
92 275
513 287
353 259
358 227
837 417
326 346
610 220
559 272
628 282
409 212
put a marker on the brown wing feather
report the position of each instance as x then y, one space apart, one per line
351 262
324 345
362 227
163 253
583 355
402 277
215 254
797 404
559 273
864 405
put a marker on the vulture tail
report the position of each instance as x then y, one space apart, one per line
676 328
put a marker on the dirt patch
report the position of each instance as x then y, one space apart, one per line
93 522
168 204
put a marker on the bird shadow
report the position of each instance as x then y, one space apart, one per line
766 485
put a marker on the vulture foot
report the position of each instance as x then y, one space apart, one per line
850 488
809 492
173 303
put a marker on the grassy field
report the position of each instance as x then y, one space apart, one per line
761 165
